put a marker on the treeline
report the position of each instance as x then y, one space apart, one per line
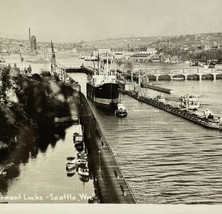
38 101
207 55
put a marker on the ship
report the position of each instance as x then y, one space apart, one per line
103 89
121 111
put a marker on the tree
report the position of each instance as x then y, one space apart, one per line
6 83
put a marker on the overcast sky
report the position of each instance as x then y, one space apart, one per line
75 20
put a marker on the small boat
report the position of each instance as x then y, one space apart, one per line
160 98
83 170
189 102
82 158
82 155
121 110
71 163
78 136
71 172
79 147
81 161
71 159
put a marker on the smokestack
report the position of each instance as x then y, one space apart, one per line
29 34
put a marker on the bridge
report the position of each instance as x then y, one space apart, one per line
181 74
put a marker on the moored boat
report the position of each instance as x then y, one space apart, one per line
83 170
79 147
82 155
71 163
78 135
103 89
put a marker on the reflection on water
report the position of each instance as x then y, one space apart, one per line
39 173
38 166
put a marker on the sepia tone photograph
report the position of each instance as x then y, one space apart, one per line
112 102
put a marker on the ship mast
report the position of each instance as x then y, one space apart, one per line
107 70
98 62
53 59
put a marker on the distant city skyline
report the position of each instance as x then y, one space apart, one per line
89 20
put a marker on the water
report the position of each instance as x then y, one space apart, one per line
164 158
44 179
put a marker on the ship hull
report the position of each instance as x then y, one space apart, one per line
106 95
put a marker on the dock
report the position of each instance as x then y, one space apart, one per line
207 123
111 183
157 88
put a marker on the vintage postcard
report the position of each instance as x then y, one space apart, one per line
111 102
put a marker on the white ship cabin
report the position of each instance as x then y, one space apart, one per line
120 106
98 80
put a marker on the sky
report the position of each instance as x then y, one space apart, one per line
87 20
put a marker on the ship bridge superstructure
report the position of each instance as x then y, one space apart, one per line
101 79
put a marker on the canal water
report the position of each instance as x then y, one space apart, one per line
44 179
164 158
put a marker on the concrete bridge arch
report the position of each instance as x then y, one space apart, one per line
152 77
164 77
178 76
193 76
207 77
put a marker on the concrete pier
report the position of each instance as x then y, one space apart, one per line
113 187
157 88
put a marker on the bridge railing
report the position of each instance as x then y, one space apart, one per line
178 71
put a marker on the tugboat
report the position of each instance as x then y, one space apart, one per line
189 102
121 111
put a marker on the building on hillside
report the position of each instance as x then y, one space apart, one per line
151 51
140 57
174 59
104 51
156 58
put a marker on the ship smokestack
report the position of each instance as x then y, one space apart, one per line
29 34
